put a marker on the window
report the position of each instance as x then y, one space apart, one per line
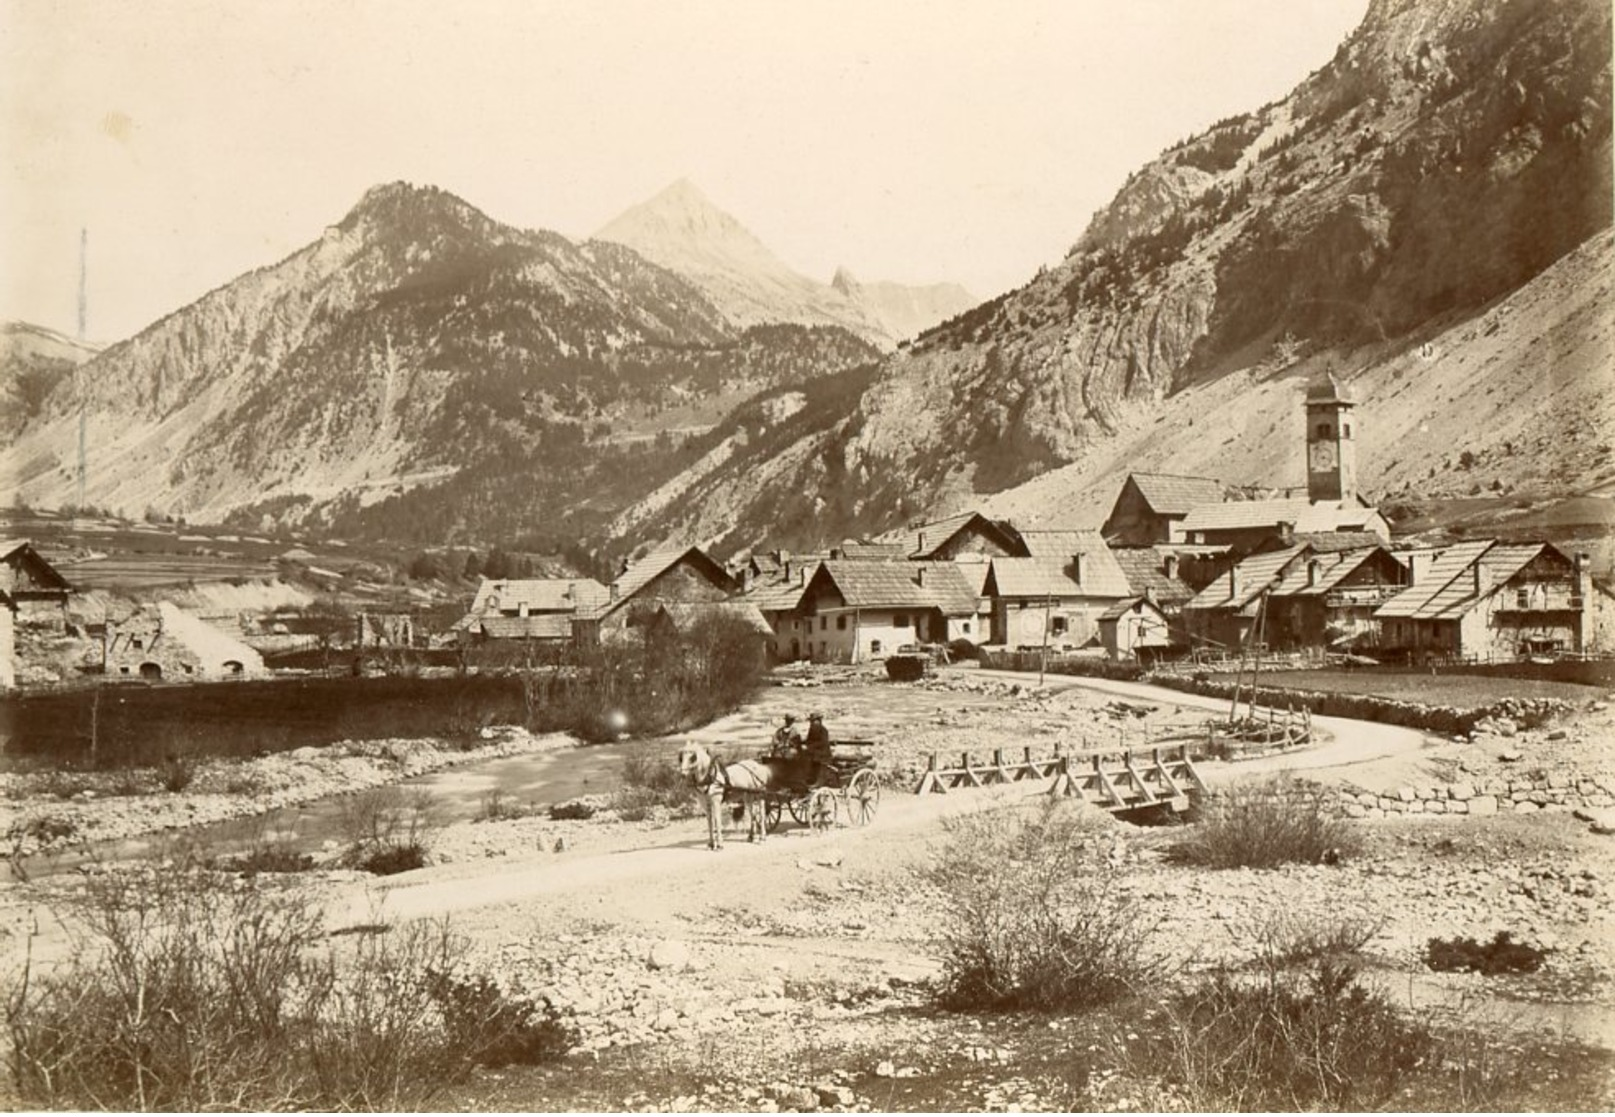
900 620
824 623
1345 430
965 628
136 642
1323 430
1522 598
841 623
874 647
1057 625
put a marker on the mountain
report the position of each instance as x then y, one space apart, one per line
904 311
419 371
1427 215
684 232
33 362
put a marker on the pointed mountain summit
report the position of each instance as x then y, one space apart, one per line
684 232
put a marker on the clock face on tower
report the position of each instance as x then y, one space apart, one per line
1322 456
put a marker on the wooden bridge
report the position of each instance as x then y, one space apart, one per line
1115 779
1130 779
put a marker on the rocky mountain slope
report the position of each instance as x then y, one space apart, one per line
33 361
904 310
1425 215
683 231
417 343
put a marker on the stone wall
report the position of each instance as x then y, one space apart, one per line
1524 793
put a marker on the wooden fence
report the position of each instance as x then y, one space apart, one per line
968 772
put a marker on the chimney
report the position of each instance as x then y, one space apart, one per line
1581 563
1314 566
615 592
1076 568
920 544
1233 583
1477 579
1287 532
1169 566
919 576
747 577
787 565
801 575
1418 566
571 591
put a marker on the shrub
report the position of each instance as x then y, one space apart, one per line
1287 938
176 772
649 783
276 858
1032 919
192 991
1281 1042
1501 955
387 829
496 807
572 810
495 1029
1263 824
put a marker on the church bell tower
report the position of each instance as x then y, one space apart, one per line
1331 442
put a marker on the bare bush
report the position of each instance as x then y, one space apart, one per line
648 784
1031 916
1282 1042
195 991
1265 823
1283 937
387 829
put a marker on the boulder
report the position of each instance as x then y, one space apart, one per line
668 954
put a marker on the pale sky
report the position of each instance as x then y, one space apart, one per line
198 139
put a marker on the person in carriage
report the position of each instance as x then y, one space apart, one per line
787 738
817 749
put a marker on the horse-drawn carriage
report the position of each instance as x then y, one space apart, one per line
818 794
817 790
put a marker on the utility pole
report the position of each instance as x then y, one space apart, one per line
1043 660
78 382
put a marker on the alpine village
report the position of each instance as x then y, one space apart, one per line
462 666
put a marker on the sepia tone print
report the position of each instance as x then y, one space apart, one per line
850 557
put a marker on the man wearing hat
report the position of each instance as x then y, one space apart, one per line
787 739
817 746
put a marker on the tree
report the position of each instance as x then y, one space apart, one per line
473 565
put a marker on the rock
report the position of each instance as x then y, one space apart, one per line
885 1069
831 1094
1461 791
668 954
1509 756
1506 727
1602 821
801 1098
1483 804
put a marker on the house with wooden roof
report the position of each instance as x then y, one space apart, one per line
165 642
1055 595
32 592
854 611
1490 600
530 608
968 533
1246 525
1298 597
678 575
1151 505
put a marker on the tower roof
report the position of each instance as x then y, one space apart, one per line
1327 389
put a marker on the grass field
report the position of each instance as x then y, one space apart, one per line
1463 691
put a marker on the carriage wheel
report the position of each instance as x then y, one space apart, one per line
821 808
798 805
771 813
863 798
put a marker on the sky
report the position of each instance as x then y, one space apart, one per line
919 142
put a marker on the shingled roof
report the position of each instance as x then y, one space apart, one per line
1144 569
1306 517
899 585
1448 589
1175 494
1053 576
1251 576
684 615
539 595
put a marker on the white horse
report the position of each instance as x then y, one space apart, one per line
748 781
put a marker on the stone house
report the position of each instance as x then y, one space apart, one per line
33 599
673 576
530 608
854 611
165 642
1150 506
1054 599
1246 525
968 533
1490 601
